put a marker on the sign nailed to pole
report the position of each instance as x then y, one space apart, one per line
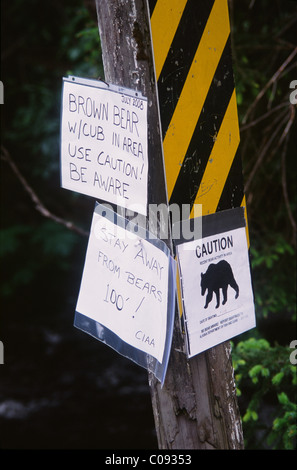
193 64
127 293
216 282
104 142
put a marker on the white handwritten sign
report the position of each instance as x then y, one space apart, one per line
216 282
104 142
124 286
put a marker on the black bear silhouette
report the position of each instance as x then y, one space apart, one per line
218 276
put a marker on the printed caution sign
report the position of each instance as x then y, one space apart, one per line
193 64
217 294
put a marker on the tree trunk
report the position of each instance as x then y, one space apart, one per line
197 406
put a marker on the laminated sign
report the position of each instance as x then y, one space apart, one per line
104 142
127 292
216 287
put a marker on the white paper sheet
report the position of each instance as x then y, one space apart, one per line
124 286
220 260
104 142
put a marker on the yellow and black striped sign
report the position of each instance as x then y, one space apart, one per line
198 110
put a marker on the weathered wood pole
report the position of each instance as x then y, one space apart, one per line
197 406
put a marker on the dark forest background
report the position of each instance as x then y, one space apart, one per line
60 388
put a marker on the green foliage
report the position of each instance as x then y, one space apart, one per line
268 375
285 425
81 43
274 260
264 36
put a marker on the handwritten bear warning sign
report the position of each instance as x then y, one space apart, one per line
216 281
104 142
124 286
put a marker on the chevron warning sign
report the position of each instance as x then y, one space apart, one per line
198 110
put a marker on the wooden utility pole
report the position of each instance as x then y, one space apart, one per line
197 406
